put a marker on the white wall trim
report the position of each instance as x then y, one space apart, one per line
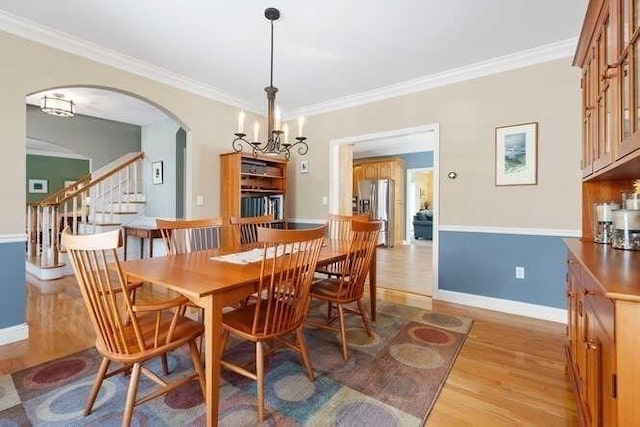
549 52
505 306
13 238
14 333
508 230
56 154
47 36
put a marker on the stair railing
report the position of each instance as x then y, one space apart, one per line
84 203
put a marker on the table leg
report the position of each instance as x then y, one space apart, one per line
213 353
141 247
151 247
373 272
125 245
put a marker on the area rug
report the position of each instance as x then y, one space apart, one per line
392 378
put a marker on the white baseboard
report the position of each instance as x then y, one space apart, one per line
505 306
402 297
45 273
14 333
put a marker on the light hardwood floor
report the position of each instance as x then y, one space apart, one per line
407 268
509 372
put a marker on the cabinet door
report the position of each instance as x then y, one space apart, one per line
588 118
604 136
371 170
572 304
358 175
629 71
600 375
385 169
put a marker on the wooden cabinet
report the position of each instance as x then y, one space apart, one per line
609 55
603 344
252 186
391 168
603 284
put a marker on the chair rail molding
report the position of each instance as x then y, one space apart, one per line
13 238
553 232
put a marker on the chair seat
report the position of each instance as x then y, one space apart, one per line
240 321
185 330
327 289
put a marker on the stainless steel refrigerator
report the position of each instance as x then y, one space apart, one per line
376 197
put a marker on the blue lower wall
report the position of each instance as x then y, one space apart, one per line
12 284
484 264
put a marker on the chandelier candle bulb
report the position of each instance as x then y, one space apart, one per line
278 124
241 122
256 131
300 125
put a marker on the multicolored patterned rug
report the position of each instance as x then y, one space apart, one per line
392 378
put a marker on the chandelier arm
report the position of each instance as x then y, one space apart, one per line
237 143
303 148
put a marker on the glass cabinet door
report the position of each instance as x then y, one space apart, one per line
629 60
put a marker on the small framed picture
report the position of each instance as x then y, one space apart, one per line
38 186
157 173
304 166
517 154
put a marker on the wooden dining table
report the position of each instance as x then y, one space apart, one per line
213 285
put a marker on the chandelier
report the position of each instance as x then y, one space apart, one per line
58 106
278 141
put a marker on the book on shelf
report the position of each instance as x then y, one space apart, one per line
262 205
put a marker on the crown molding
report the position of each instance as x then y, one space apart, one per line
549 52
47 36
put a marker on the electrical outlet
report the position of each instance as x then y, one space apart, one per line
325 201
519 272
199 200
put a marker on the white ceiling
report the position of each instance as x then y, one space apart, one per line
324 50
105 104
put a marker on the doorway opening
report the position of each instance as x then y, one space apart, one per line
342 175
419 203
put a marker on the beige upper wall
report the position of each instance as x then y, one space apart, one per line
28 67
468 113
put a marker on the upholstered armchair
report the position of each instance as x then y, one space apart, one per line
423 225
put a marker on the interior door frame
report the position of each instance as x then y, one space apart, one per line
337 194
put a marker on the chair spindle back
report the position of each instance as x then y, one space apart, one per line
285 279
184 236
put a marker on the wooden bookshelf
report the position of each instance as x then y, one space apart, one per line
253 186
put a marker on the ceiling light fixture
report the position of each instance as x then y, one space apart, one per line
277 135
58 106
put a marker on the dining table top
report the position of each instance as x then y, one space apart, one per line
198 274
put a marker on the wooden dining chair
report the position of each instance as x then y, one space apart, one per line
283 302
127 332
339 230
188 235
348 286
181 236
245 230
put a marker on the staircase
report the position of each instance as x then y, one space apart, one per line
100 201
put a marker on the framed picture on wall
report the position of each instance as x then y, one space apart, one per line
517 154
38 186
157 173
